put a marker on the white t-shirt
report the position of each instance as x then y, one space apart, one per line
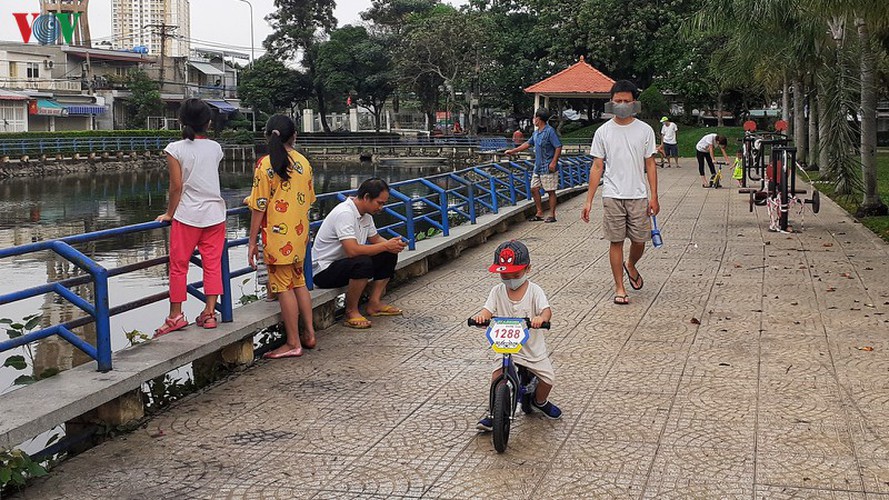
668 133
342 223
531 304
705 143
201 204
624 149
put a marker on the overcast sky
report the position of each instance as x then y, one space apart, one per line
214 23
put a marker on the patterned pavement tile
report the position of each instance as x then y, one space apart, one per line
737 372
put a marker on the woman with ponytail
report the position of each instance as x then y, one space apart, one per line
282 194
197 213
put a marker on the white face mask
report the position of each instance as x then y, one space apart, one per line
514 284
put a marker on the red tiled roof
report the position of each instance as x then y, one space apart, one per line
579 78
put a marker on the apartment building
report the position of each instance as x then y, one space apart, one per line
152 24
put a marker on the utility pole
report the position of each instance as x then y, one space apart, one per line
165 31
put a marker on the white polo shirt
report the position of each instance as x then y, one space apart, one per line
342 223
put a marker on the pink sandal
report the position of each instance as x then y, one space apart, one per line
171 325
208 321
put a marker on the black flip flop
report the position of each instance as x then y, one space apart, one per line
550 219
536 218
633 280
622 300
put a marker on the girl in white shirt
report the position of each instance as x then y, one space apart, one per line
196 211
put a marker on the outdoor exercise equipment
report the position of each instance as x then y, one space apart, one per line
770 162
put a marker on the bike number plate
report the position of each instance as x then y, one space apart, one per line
507 336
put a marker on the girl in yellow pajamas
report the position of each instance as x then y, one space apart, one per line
282 193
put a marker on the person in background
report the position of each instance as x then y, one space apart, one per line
282 194
705 151
669 141
738 171
518 138
196 212
547 150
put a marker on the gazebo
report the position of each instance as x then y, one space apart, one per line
578 81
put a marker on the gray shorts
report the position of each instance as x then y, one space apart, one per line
626 219
671 150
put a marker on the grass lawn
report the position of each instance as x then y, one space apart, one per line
687 138
879 225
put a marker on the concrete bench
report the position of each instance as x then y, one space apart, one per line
83 395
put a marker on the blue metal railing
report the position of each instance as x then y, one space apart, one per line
437 202
59 145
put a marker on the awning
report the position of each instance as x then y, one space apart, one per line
206 68
223 106
46 107
84 109
6 95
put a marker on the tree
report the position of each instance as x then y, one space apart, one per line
297 26
144 101
270 86
352 62
446 46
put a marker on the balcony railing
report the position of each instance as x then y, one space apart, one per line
40 84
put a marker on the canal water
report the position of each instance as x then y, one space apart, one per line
38 209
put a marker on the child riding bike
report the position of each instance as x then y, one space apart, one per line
518 297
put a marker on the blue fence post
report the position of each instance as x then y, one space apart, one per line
103 320
443 204
512 190
226 302
307 267
409 225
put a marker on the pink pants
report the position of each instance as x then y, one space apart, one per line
210 242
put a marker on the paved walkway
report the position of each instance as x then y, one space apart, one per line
739 371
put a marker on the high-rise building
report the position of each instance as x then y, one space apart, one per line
153 24
81 34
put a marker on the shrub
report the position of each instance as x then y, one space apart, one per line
654 104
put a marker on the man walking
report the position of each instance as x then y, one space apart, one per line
547 150
623 151
668 141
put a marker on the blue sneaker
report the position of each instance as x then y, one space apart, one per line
485 425
550 410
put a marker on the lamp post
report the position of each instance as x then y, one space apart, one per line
252 55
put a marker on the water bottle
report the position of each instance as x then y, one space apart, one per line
656 238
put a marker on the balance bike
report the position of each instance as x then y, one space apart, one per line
507 336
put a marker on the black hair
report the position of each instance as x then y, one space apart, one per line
194 116
624 86
542 113
279 130
372 187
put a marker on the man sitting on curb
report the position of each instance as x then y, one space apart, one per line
348 251
547 150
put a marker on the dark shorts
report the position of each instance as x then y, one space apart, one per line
378 267
671 150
